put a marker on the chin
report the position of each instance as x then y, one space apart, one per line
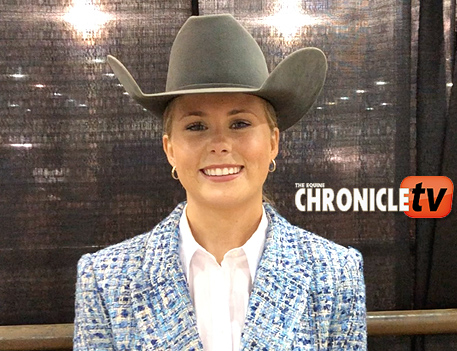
230 200
223 200
224 197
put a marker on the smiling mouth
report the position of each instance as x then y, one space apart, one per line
218 172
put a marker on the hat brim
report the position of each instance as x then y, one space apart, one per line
291 88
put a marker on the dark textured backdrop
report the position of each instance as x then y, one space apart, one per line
81 165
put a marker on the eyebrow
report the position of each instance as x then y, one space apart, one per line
192 113
235 112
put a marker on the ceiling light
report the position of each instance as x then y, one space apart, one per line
86 18
290 18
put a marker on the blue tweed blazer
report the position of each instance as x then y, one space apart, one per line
308 294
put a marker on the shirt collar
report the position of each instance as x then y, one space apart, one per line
253 248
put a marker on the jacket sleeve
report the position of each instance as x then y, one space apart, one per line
348 325
92 324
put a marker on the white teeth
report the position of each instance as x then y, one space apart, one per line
221 171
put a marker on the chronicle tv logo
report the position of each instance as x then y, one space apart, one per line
417 197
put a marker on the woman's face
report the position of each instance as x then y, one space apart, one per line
221 145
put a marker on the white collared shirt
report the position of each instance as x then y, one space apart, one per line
220 293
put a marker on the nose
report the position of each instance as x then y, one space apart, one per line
219 142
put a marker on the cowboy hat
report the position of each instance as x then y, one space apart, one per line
215 54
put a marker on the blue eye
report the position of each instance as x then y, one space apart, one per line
197 126
240 125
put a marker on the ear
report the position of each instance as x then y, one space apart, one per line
274 143
168 149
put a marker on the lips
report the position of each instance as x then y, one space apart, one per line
221 171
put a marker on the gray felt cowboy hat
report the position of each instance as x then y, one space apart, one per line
215 54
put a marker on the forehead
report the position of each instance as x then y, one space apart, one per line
218 101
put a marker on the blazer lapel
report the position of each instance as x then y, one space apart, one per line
160 296
280 293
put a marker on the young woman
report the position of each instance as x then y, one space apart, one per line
224 271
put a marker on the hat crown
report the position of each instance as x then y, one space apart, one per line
215 51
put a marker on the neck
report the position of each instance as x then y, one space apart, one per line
220 229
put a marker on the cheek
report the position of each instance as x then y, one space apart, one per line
187 156
184 156
258 152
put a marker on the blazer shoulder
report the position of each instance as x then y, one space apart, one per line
314 247
125 257
334 267
328 252
116 259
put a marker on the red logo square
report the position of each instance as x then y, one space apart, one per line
429 196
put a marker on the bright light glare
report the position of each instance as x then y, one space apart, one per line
18 75
290 18
97 60
86 18
26 145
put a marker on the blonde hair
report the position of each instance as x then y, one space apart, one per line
270 114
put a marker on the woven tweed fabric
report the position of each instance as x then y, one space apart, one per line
308 294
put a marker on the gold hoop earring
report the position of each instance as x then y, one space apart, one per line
271 168
174 174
